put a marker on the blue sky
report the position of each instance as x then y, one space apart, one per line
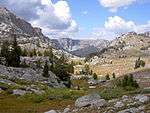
84 19
97 14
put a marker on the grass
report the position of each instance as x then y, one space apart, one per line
33 103
112 93
12 104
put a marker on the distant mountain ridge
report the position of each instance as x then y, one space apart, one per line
32 37
81 47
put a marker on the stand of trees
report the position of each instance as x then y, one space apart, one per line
59 66
11 53
128 83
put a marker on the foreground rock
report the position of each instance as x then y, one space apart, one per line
142 98
51 111
90 100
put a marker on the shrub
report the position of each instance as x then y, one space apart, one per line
107 77
114 75
128 83
45 70
95 76
139 63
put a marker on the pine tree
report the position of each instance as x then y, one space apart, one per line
87 69
107 77
45 70
95 76
34 52
24 53
114 75
63 59
15 53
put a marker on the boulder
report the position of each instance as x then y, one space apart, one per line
142 98
90 100
19 92
125 97
119 104
66 110
51 111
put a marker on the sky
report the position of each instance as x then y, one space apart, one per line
84 19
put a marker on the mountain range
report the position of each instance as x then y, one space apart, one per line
30 37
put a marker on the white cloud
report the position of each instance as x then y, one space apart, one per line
113 5
52 18
115 26
118 24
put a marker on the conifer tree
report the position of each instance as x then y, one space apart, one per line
15 53
113 75
95 76
107 77
45 70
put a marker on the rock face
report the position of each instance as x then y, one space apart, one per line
90 100
29 74
9 21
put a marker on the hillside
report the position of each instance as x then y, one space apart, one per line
130 44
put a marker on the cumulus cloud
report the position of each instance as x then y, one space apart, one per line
113 5
118 25
52 18
115 26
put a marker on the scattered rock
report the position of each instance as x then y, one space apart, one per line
66 110
119 104
113 100
125 98
131 110
19 92
142 98
7 82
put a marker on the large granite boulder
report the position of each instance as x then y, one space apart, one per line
90 100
